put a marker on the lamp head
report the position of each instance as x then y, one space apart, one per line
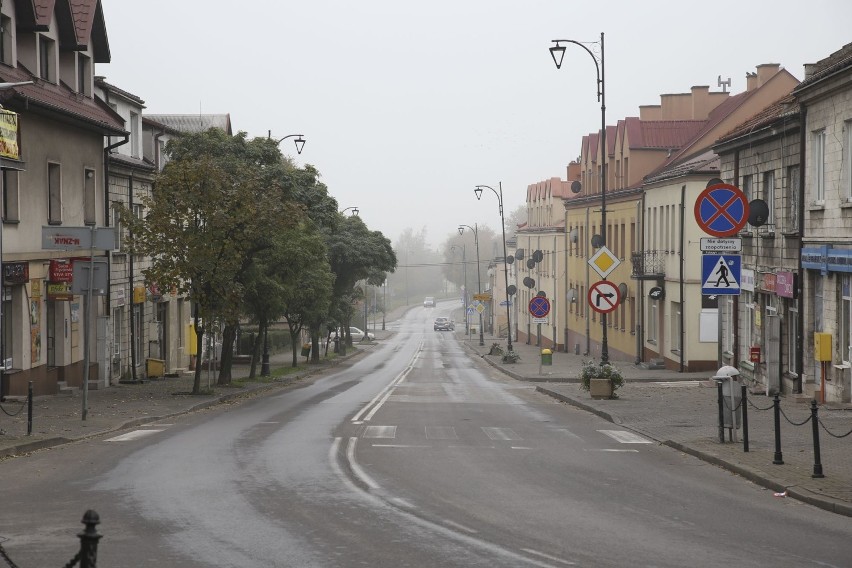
461 230
355 211
478 192
300 143
558 54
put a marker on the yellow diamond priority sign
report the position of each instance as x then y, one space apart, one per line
604 262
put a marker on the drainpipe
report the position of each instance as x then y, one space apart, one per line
132 319
640 239
588 308
107 222
682 299
800 303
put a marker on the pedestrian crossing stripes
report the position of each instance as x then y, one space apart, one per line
493 433
134 435
625 437
674 384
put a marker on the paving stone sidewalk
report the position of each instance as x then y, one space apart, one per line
681 410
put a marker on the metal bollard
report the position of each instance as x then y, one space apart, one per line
776 405
721 413
89 540
744 404
30 409
815 421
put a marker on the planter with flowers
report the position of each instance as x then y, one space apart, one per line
601 380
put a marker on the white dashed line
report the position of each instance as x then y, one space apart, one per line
135 435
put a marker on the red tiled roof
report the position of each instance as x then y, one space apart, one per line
661 134
785 106
43 11
59 99
837 61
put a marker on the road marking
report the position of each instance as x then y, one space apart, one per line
398 446
385 393
521 448
135 435
500 433
611 450
568 433
548 557
625 437
670 384
356 469
441 433
380 432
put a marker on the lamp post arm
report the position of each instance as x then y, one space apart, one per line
598 66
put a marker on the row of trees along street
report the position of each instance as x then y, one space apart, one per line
248 236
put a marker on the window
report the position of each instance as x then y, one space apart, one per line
675 327
54 194
748 320
845 323
116 223
769 197
818 166
652 321
6 40
45 52
846 160
83 74
728 336
138 315
746 187
89 198
134 134
794 196
792 340
6 335
11 211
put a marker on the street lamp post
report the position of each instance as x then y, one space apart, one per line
299 140
558 53
353 209
464 294
475 230
478 192
384 301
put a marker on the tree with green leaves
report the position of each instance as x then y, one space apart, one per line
214 207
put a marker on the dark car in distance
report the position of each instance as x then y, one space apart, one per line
444 324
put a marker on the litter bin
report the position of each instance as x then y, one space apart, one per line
155 368
306 349
546 357
730 414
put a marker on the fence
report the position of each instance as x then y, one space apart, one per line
87 556
725 405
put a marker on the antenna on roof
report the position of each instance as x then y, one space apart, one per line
724 84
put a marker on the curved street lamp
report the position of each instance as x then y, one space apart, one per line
558 53
478 192
299 140
353 209
475 230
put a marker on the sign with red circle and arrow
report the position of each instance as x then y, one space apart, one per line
721 210
604 296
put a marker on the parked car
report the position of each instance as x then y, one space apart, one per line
358 333
444 324
429 302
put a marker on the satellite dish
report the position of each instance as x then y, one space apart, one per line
542 294
597 241
511 289
530 263
519 254
538 256
576 187
758 213
714 181
510 259
622 288
529 282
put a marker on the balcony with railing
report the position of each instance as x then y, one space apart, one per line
649 264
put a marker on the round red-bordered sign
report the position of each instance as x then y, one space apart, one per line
604 296
539 307
721 210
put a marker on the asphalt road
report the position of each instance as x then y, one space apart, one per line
415 456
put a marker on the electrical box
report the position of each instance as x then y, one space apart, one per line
822 346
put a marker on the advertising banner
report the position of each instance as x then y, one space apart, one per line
9 135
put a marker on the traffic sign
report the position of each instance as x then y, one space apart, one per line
710 244
720 274
604 262
482 297
604 296
721 210
539 307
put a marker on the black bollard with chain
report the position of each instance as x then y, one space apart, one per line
89 540
721 413
815 422
744 405
776 405
30 409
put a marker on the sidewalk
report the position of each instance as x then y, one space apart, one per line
57 418
681 410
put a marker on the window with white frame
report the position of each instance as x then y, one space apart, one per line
728 336
818 165
846 163
746 187
134 134
54 194
46 55
748 320
6 39
652 321
89 197
675 327
769 197
116 223
792 340
84 74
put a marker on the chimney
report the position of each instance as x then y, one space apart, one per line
810 69
765 72
751 81
700 102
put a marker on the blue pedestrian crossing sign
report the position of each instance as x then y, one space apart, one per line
720 274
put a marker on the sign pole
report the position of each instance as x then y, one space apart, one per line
86 330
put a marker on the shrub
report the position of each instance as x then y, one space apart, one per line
495 349
510 357
592 370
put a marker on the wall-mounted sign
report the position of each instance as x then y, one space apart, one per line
747 280
768 282
59 291
139 294
61 271
785 284
657 293
9 135
16 272
119 297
